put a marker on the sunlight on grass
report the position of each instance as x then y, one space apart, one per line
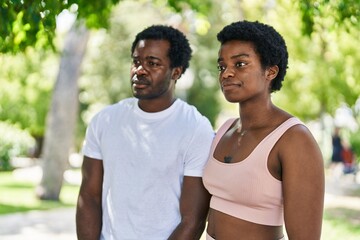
334 229
18 195
341 224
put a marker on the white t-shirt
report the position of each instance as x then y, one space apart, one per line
145 157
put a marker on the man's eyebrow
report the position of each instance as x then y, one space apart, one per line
148 57
153 58
235 56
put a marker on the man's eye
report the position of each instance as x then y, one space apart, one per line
240 64
152 64
135 62
220 68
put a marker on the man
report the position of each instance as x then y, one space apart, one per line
144 156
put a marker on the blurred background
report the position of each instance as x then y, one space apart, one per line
63 61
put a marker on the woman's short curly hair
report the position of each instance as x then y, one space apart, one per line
179 52
268 43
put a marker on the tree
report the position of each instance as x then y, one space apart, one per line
59 137
25 24
344 12
323 61
25 95
333 26
33 23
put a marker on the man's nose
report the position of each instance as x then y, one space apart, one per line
140 69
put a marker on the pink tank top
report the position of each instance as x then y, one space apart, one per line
246 189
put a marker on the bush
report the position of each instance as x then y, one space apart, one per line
13 142
355 144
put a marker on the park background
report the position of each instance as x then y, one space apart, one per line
63 61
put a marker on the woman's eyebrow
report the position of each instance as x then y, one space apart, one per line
235 56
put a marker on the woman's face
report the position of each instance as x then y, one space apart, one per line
241 75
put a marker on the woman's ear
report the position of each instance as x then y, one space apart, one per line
272 72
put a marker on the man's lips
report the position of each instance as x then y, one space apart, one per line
139 82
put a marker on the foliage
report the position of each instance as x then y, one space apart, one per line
355 144
13 142
33 23
322 69
344 13
27 80
204 90
180 5
327 75
329 58
20 196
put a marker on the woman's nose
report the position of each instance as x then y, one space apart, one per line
228 72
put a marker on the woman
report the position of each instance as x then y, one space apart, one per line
265 169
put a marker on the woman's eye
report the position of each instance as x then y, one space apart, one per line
220 68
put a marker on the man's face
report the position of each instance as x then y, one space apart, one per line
151 75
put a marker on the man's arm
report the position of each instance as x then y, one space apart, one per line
194 206
89 210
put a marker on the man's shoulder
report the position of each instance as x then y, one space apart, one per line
192 116
115 109
122 104
190 109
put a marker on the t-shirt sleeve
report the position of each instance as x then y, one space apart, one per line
199 149
91 145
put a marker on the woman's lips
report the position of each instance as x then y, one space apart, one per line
230 85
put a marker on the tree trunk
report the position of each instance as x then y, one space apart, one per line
62 117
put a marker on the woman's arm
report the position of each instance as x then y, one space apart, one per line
303 184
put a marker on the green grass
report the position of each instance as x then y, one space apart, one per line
341 223
19 195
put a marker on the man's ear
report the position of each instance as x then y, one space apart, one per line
272 72
176 73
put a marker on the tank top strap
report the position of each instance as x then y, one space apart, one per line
275 135
221 131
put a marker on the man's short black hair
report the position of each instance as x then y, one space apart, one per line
268 43
179 52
